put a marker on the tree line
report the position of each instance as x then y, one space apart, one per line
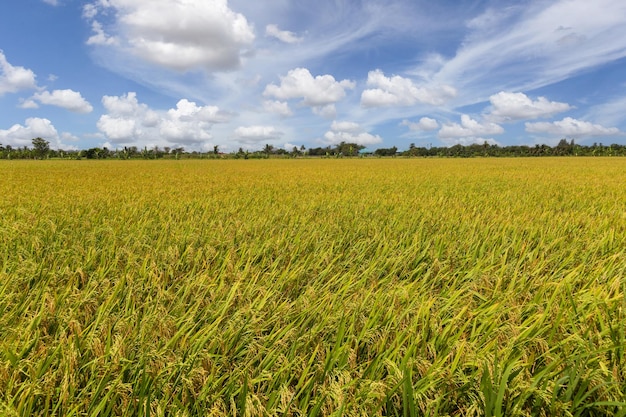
41 150
563 148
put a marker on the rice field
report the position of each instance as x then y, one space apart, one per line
321 287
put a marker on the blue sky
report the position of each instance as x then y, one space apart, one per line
381 73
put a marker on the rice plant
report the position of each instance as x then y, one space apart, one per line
313 287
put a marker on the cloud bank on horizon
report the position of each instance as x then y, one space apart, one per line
199 73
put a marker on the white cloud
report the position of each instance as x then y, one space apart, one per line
190 123
34 127
90 11
61 142
572 128
350 132
347 127
100 37
255 134
362 138
179 35
119 129
188 111
328 111
14 79
490 18
282 35
400 91
51 2
426 124
22 135
67 99
518 106
531 46
277 107
323 90
126 105
469 140
609 113
28 104
469 128
129 122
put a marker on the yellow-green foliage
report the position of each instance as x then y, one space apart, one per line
313 287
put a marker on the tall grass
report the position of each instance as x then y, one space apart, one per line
317 287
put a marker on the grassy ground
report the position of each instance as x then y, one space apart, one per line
313 287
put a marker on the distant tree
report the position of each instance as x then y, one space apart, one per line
268 149
319 151
216 149
386 151
348 149
242 154
93 153
41 147
146 154
564 147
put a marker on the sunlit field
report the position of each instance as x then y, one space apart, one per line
357 287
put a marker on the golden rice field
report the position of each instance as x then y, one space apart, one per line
319 287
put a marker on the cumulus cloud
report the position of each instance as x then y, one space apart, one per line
90 10
350 132
317 92
99 37
22 135
328 111
129 122
400 91
181 35
470 140
289 146
572 128
255 134
190 123
125 105
283 35
67 99
68 137
469 128
186 111
508 107
277 107
362 138
14 79
347 127
28 104
426 124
